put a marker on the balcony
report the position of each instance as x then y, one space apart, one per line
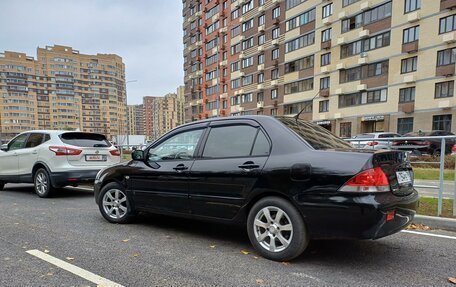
445 71
407 107
411 47
447 4
324 93
326 45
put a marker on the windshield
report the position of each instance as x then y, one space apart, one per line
317 136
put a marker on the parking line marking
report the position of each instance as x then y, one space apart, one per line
94 278
429 234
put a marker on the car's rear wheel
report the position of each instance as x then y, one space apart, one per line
114 204
43 185
276 229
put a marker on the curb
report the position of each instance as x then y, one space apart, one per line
436 222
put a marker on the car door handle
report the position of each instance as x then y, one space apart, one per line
249 165
180 167
34 152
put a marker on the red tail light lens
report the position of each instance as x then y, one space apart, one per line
453 149
371 180
115 152
372 143
62 150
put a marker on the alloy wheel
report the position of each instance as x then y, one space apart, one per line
41 183
273 229
115 203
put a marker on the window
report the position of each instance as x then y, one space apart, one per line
411 34
18 142
235 66
235 31
300 64
326 35
363 72
274 74
247 43
260 97
276 12
409 65
324 83
404 125
444 89
348 2
441 123
294 3
247 80
274 112
247 62
274 94
325 59
360 46
446 57
305 107
300 20
261 147
323 106
261 20
178 147
247 98
407 95
236 83
247 25
412 5
81 139
34 140
345 130
363 98
299 86
327 10
261 2
373 15
241 141
301 42
261 39
275 53
276 33
260 78
247 7
260 59
447 24
235 14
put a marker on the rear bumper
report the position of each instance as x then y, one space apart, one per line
360 216
61 179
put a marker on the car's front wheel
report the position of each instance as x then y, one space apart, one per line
276 229
43 185
114 204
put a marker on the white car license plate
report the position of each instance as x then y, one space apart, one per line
403 177
93 157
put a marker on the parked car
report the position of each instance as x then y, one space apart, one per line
54 159
425 146
378 143
287 180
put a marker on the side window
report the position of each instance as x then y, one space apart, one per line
179 147
261 147
230 141
18 142
34 140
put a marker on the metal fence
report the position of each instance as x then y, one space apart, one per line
441 163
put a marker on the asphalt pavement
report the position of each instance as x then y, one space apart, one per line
164 251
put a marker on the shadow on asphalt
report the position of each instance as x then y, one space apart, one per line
61 193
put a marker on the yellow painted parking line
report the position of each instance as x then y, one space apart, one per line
87 275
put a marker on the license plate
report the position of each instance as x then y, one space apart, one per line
95 157
403 177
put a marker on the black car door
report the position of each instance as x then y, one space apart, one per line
228 169
160 182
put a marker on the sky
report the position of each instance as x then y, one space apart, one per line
147 34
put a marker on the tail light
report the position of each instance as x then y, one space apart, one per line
453 150
372 143
371 180
115 152
62 150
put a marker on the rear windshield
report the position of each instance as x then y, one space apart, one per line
317 136
85 140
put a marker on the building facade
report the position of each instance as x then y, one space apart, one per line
135 116
352 66
62 89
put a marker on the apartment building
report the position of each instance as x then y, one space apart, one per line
351 66
62 89
162 114
135 116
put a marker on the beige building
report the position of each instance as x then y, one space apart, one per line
351 66
162 114
62 89
135 116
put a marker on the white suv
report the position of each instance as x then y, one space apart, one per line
54 159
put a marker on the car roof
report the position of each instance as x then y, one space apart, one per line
53 132
248 117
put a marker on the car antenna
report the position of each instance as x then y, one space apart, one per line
305 106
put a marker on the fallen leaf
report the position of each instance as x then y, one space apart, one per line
49 274
286 263
136 254
259 281
125 240
69 258
254 257
452 280
417 226
212 246
46 251
245 252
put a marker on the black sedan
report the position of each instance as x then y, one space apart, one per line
287 180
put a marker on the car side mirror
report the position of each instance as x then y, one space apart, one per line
137 155
4 147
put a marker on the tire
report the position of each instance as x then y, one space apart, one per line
289 243
114 204
42 183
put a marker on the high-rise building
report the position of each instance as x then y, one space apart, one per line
351 66
135 116
163 114
62 89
